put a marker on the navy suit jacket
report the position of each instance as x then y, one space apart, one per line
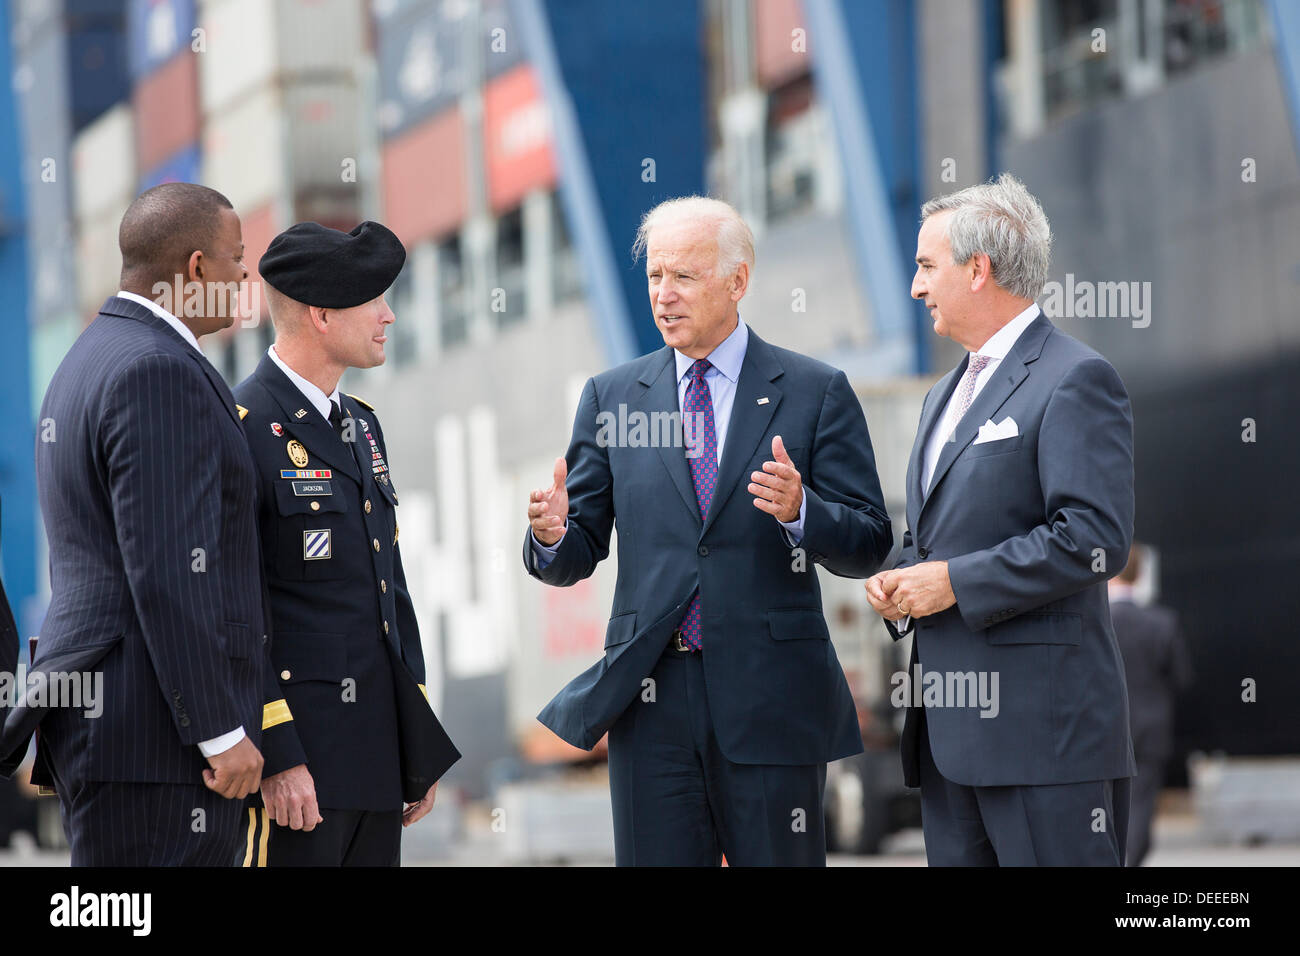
148 494
776 691
1031 527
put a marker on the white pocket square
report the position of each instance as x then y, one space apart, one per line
1004 429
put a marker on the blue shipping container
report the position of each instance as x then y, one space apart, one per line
156 30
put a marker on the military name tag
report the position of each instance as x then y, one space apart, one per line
312 488
315 545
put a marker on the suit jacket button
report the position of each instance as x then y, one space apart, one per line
704 551
924 553
184 721
285 675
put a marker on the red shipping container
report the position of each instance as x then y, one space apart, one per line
166 110
774 40
424 179
517 135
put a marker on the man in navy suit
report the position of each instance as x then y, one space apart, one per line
148 494
1019 507
731 468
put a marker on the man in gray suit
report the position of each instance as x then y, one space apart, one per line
1019 507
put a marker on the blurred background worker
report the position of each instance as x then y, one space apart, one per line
1157 669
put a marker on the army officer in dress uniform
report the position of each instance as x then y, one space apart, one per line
346 646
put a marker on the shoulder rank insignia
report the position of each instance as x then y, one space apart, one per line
361 401
242 411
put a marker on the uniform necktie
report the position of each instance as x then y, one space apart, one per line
336 418
697 411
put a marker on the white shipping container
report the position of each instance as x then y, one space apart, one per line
103 164
313 36
239 54
250 42
243 150
99 259
324 131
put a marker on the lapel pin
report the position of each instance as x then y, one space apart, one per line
277 429
763 400
300 413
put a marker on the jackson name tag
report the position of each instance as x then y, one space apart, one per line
312 488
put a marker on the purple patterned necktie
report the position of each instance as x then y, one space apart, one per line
703 441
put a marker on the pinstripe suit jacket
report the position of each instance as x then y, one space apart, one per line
148 495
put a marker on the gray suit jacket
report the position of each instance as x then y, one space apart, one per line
1031 527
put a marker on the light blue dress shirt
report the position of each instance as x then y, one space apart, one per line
727 360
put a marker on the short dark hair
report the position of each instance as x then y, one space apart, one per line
164 226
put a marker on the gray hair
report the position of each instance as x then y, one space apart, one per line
1005 222
734 237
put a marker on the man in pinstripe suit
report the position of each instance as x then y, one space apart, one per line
148 494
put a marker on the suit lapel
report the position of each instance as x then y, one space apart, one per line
128 309
315 433
749 420
661 396
1011 371
938 400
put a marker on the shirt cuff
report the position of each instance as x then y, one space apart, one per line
219 745
794 529
544 554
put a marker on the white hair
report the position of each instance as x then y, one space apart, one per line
733 235
1005 222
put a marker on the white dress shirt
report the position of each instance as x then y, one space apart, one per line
217 745
319 400
995 350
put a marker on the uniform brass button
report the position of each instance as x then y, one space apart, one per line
376 542
385 627
383 586
315 506
285 675
367 506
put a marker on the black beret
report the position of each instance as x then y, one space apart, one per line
319 266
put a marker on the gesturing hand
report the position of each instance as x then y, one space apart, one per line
778 488
548 509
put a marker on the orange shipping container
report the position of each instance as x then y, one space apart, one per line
517 133
424 179
166 110
775 22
